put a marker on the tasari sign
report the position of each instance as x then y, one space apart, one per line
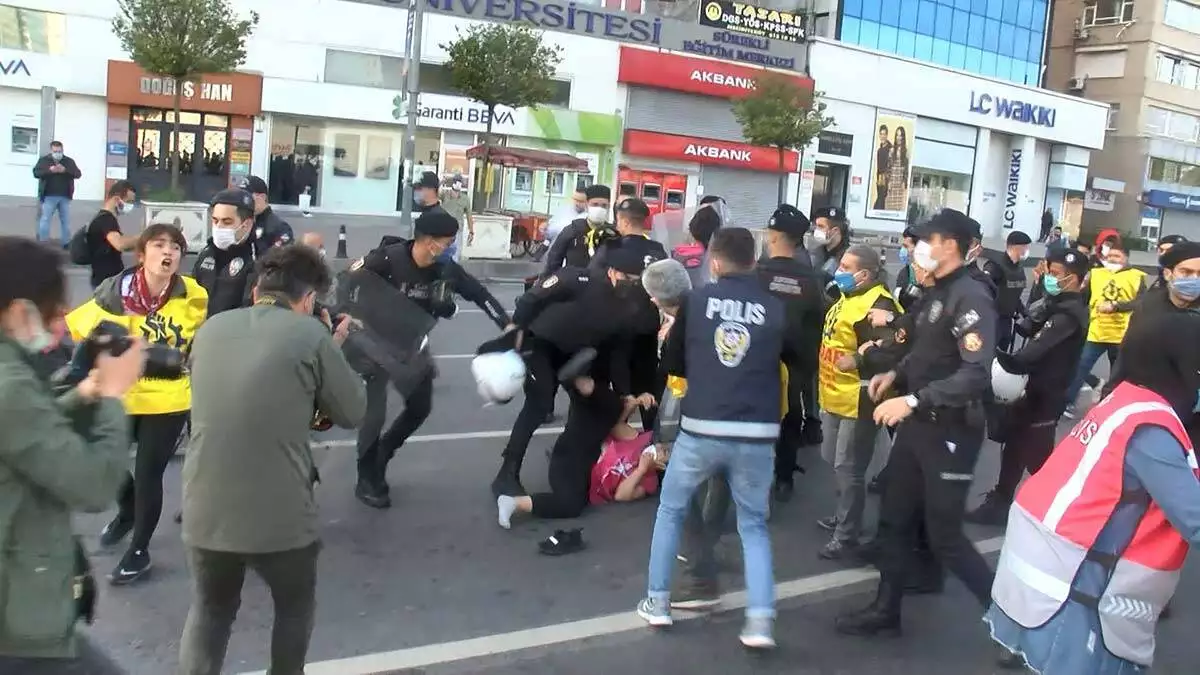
695 76
706 151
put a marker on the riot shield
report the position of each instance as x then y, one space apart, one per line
391 334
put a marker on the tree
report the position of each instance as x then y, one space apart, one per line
502 64
781 114
181 41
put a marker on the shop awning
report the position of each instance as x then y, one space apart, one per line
525 158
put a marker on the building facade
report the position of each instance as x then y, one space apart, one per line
1143 60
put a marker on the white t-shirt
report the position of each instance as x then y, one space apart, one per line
560 220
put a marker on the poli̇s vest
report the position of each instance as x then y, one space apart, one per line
1106 286
839 389
1060 512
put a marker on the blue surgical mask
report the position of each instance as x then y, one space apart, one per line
1050 283
903 255
844 280
1187 289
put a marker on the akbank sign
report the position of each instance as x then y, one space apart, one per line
1013 109
1012 194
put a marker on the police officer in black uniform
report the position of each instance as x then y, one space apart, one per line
793 280
944 378
269 229
633 218
1055 331
412 267
225 266
567 312
577 243
1006 272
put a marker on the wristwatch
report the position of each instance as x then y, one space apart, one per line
912 401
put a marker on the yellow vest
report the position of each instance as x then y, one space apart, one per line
839 390
174 326
678 387
1105 286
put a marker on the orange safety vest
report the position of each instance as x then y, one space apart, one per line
1062 509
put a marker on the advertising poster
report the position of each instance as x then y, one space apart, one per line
737 17
891 165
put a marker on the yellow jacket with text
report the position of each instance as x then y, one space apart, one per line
839 390
1119 288
173 326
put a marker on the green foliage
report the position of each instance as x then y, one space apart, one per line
502 64
183 39
780 114
163 195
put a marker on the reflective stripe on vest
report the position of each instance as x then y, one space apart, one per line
1106 286
1062 509
839 389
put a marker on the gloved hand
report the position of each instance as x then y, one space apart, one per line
441 300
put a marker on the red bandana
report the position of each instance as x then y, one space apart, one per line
138 299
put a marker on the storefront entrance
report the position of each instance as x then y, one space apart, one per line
829 185
203 143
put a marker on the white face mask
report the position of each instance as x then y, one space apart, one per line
923 256
820 236
1024 255
1104 250
224 237
37 338
458 187
597 214
124 208
1112 266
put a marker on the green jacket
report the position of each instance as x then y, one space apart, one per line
257 375
48 470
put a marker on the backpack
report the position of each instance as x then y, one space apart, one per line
79 249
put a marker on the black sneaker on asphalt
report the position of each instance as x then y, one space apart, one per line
369 493
783 491
134 566
993 511
696 595
116 530
828 524
811 432
838 550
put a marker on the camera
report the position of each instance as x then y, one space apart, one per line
109 337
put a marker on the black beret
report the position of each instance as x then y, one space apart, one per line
831 212
1172 239
708 199
596 191
625 259
634 207
949 223
1076 263
254 185
233 197
1179 252
1018 238
788 220
428 179
436 223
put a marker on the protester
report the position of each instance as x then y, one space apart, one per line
577 243
248 476
55 457
457 203
56 174
103 239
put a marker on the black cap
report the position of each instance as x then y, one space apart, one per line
1172 239
625 259
1185 250
428 179
598 192
708 199
436 223
788 220
1076 263
233 197
1017 238
830 212
634 207
949 223
254 185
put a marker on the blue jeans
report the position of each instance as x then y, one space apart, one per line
49 206
1092 351
750 468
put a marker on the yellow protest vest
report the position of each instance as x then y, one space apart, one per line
174 326
678 387
839 390
1106 286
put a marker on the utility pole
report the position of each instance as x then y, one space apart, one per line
412 55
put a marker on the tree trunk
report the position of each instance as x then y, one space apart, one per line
783 174
487 164
175 154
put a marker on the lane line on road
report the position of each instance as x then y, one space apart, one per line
574 631
433 438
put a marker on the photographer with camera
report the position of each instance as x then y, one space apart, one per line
154 302
55 457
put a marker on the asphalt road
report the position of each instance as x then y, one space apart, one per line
434 587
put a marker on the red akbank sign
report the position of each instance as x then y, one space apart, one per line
705 151
695 76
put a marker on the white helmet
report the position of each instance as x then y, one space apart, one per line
1007 387
498 375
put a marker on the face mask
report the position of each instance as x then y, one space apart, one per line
458 187
56 155
1104 250
1051 284
820 236
322 251
923 257
124 208
1187 289
844 280
973 254
1024 255
903 256
39 339
1113 267
223 237
597 214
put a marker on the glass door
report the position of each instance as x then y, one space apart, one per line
203 146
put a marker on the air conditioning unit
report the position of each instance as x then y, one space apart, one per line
1080 32
1076 83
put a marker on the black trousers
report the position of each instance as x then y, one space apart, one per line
708 514
589 421
645 375
1004 334
542 362
1029 446
217 579
929 475
140 500
89 662
791 429
376 450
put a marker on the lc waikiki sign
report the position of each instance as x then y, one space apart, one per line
1014 109
695 76
1012 193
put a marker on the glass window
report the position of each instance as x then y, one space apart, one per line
927 18
868 35
890 16
975 31
379 158
906 43
30 30
347 149
994 8
1035 46
1020 44
974 59
523 180
850 29
931 191
1025 13
853 7
958 56
871 10
1006 40
1189 76
364 70
1039 15
297 155
962 4
908 17
961 24
1033 74
979 7
991 35
941 52
1114 116
988 67
944 25
924 48
1008 13
1156 120
1165 68
887 38
556 182
1181 126
1004 68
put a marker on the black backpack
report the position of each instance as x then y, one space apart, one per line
79 249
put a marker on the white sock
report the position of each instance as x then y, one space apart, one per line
505 507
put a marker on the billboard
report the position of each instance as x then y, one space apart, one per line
891 165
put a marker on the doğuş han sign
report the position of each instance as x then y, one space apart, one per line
159 86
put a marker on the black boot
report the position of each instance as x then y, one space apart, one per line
925 575
880 619
371 489
508 480
993 511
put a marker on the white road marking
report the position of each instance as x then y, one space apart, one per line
461 436
545 636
